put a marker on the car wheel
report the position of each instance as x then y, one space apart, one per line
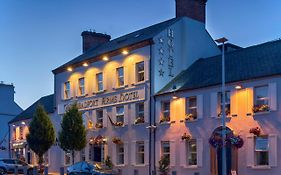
2 170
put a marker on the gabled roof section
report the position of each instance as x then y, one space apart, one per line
249 63
47 102
121 42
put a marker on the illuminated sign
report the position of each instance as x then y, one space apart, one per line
105 100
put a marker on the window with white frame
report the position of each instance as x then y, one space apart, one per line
140 152
67 158
139 113
227 103
120 76
261 150
99 79
165 149
140 71
82 155
191 108
165 110
120 114
120 153
191 150
81 90
261 99
99 123
67 90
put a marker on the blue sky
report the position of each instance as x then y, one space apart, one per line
38 36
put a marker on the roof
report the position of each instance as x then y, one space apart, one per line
47 102
121 42
244 64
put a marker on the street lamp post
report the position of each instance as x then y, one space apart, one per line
222 41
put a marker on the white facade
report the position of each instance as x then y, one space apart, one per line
173 45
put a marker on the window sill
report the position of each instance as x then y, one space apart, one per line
261 113
191 166
120 165
139 165
140 83
227 116
120 87
261 167
82 96
188 121
99 92
67 99
166 123
139 124
117 127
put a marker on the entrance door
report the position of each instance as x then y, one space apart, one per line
97 153
228 160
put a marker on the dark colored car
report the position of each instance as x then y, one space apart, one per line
85 168
9 165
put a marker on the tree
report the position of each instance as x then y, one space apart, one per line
164 164
41 134
72 136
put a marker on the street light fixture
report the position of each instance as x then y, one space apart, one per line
223 41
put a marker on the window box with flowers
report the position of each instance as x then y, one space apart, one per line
261 108
119 124
190 117
117 140
185 137
99 125
139 120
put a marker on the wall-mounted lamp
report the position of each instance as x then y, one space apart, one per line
105 58
125 52
23 123
69 69
13 125
238 87
85 64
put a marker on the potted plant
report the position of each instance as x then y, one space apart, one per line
190 117
261 108
256 131
164 119
164 164
186 137
99 125
108 163
139 120
236 141
119 124
116 140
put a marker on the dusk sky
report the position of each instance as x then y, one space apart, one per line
38 36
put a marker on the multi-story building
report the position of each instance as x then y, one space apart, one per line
114 82
19 129
189 108
8 110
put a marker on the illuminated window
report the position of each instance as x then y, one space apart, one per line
140 152
227 103
120 153
81 86
261 151
120 76
261 99
99 118
67 90
120 114
191 108
165 149
191 152
140 71
165 111
140 112
99 77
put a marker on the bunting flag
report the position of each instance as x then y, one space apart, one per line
112 123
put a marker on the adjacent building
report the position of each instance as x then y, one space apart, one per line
19 129
8 110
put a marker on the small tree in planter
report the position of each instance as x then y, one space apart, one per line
164 164
108 162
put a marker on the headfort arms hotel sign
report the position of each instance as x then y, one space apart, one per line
104 100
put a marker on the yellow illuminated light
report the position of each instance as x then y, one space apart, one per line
125 52
105 58
69 69
85 64
238 87
23 123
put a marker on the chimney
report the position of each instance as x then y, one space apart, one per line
93 39
195 9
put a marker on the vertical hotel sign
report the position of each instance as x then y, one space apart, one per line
105 100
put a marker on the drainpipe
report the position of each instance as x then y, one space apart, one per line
9 142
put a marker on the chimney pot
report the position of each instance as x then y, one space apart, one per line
195 9
93 39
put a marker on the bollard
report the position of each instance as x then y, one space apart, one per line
25 170
61 170
16 170
46 170
35 171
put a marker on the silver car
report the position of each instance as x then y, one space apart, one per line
9 165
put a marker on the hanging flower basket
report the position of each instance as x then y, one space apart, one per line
99 140
99 125
139 120
230 140
237 141
117 140
190 117
260 108
186 137
119 124
164 119
256 131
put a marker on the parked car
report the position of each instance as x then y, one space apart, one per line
86 168
9 165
